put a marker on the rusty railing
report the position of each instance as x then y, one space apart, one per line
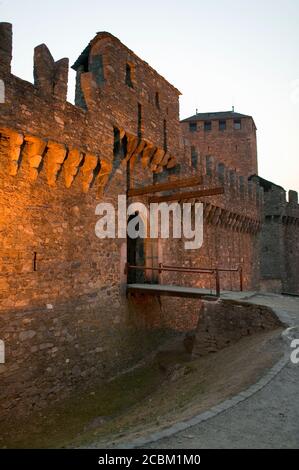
211 271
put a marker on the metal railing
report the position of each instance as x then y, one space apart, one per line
181 269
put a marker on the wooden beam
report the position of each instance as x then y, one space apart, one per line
171 291
155 188
188 195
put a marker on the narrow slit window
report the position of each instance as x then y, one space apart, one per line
129 73
139 130
34 261
157 100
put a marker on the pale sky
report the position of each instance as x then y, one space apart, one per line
218 54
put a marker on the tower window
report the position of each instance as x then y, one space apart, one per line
222 125
193 126
129 73
208 126
237 124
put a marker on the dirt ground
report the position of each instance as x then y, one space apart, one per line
169 389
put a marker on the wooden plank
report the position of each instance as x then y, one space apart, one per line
188 195
170 291
155 188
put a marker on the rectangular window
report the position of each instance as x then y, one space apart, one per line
139 130
193 126
237 124
208 125
157 100
129 81
222 125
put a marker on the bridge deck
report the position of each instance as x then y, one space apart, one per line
172 291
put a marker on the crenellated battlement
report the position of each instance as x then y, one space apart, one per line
131 96
236 185
240 208
5 47
50 77
46 135
277 204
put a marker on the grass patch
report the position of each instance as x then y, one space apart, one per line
59 424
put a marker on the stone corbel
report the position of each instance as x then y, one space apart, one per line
122 133
159 169
234 221
217 216
35 148
240 223
147 154
211 214
171 163
103 176
158 157
54 159
224 217
207 210
165 159
87 170
132 143
71 166
246 225
15 140
137 152
231 221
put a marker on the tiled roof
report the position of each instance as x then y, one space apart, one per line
215 115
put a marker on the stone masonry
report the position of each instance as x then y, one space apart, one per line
65 318
228 136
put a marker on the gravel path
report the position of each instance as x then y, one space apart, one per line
268 419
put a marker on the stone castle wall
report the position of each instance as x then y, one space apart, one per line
64 314
225 322
232 222
279 245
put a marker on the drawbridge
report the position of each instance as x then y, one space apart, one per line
160 289
182 291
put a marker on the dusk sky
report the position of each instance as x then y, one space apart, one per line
218 54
